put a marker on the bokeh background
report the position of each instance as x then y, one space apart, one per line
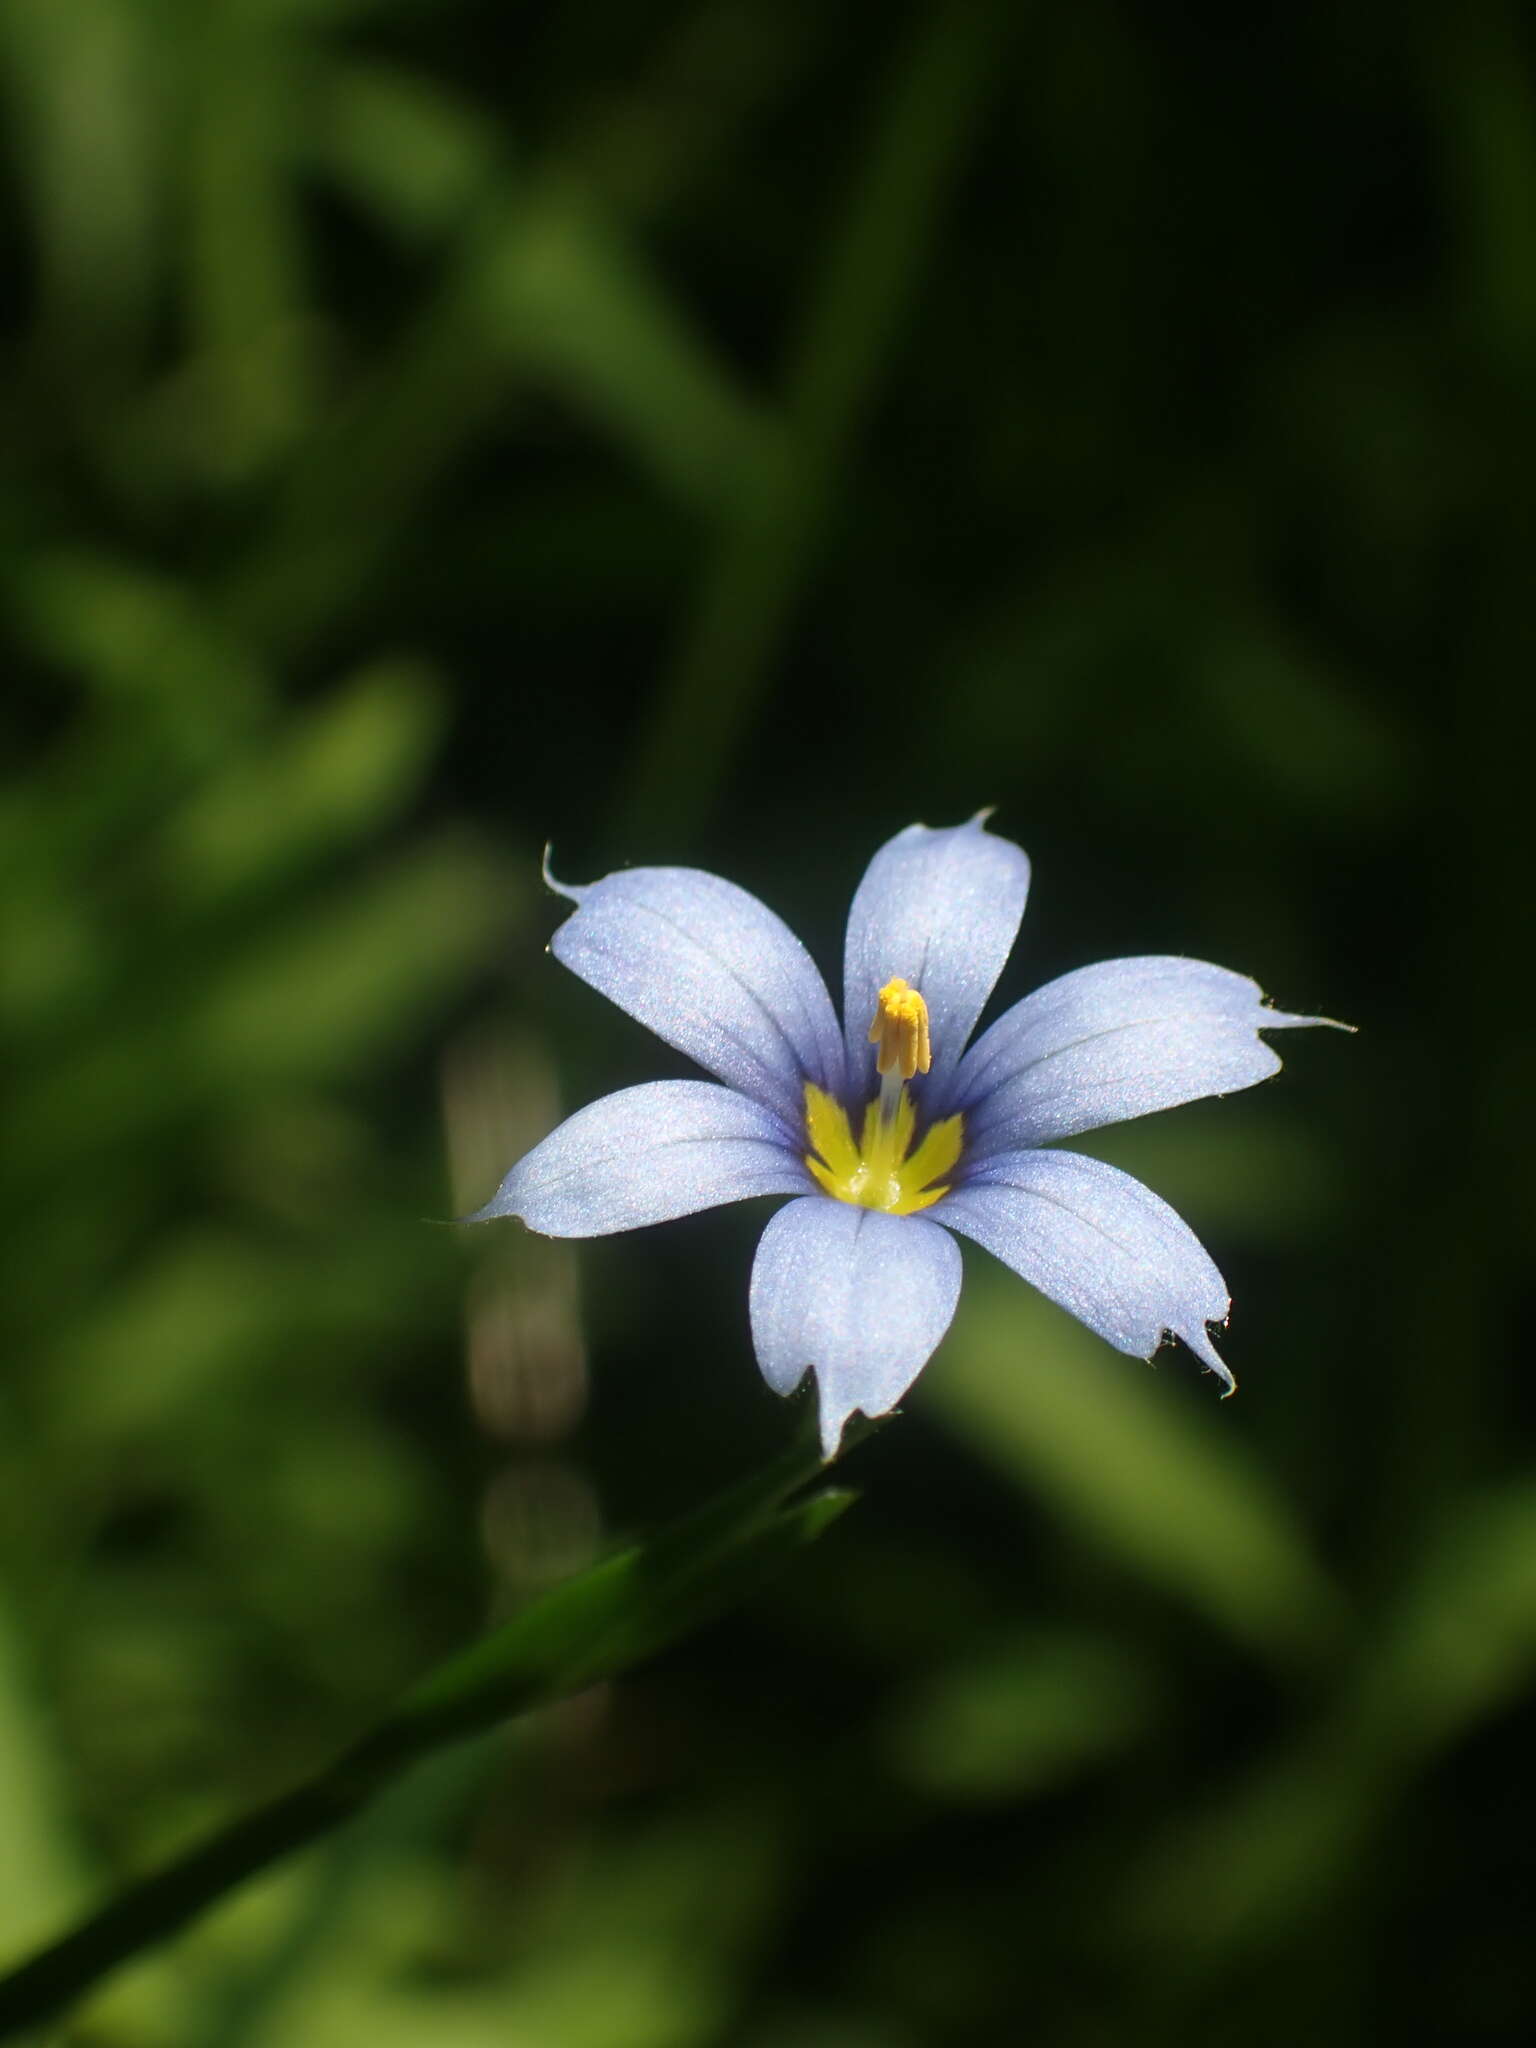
722 433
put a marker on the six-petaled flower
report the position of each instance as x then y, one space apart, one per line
894 1131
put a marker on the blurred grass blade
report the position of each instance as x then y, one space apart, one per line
542 293
619 1612
581 311
332 775
593 1627
877 252
1021 1717
1281 1845
83 82
245 258
356 975
1463 1640
40 1873
1119 1455
143 642
320 996
412 153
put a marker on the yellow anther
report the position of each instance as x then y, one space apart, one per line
900 1031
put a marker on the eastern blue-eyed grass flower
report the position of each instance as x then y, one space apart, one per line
895 1131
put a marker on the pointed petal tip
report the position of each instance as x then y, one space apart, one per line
1272 1019
976 822
497 1210
571 891
713 972
940 907
1209 1357
646 1155
1217 1365
861 1297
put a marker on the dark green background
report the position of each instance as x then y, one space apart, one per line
724 434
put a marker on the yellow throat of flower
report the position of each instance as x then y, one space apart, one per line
883 1171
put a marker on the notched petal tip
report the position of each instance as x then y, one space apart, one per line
860 1297
842 1432
857 1427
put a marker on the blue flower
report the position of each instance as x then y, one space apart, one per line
894 1131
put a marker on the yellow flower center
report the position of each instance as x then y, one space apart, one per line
883 1170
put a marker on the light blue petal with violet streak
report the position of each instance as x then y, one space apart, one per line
1099 1243
941 909
646 1155
713 972
860 1296
1110 1042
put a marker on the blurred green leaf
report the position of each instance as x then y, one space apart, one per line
882 233
331 776
1122 1458
213 1309
319 994
577 306
1460 1640
1261 1170
542 291
149 641
638 1947
1487 113
1267 1853
416 156
1277 1848
624 1609
1316 738
348 979
41 1866
591 1628
84 79
1021 1717
245 281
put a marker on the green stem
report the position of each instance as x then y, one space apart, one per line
591 1628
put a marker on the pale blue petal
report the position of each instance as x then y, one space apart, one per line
645 1155
941 909
713 972
1100 1244
1113 1041
860 1296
